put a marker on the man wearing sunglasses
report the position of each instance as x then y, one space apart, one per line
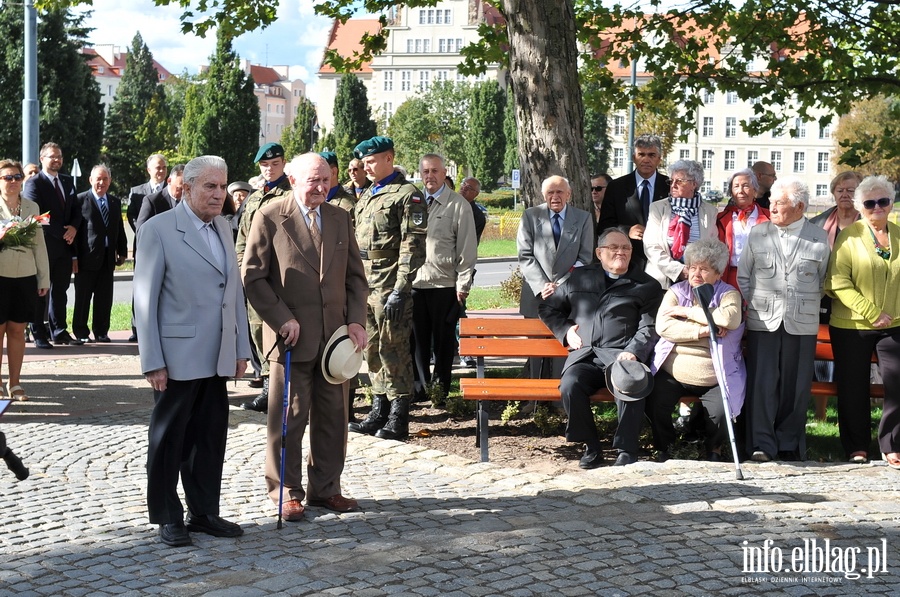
599 182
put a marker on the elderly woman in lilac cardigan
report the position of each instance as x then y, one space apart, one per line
682 362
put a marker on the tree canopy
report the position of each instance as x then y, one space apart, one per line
352 117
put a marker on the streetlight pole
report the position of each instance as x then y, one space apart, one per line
30 132
313 130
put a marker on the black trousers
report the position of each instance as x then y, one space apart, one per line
661 403
579 382
187 434
435 315
852 366
97 286
779 380
52 307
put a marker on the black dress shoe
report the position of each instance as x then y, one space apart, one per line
42 343
174 534
593 458
624 459
714 457
78 341
789 456
256 382
62 338
103 338
213 525
132 338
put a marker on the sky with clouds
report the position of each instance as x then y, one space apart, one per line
297 39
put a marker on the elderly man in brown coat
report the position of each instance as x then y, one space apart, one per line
304 276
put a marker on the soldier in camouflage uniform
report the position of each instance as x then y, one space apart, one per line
338 195
391 222
270 158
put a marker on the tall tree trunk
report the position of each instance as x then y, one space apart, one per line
543 65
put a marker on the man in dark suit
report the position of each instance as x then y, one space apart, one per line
156 168
192 324
605 313
164 199
101 247
627 201
54 192
305 247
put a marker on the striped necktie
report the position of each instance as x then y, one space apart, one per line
104 210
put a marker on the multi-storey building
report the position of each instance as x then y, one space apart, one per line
107 63
423 47
278 97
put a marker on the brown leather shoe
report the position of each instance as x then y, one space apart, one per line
292 510
337 502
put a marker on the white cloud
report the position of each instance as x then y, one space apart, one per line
296 39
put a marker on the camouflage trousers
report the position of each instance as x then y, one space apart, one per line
388 355
256 336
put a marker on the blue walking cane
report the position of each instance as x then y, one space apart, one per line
284 416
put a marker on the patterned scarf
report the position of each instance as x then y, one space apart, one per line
683 210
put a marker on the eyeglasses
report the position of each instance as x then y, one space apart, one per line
617 248
871 203
680 181
12 177
598 188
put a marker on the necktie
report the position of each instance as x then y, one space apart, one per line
59 193
215 245
429 200
557 229
645 199
314 232
104 210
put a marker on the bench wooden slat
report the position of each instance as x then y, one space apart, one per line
511 347
499 326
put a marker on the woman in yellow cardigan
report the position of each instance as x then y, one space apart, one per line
24 276
863 278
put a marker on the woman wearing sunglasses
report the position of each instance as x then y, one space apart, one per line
863 278
24 275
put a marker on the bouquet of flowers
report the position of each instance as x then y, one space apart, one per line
20 232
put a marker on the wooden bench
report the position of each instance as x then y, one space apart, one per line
507 337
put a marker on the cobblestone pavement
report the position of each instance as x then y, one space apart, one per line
431 523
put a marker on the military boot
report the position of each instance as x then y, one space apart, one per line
397 426
12 461
376 418
261 403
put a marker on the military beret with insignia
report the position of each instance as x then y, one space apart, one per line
330 157
373 146
269 151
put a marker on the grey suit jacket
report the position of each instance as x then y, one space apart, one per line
189 312
540 260
783 288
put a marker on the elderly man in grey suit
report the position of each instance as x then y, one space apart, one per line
553 239
781 273
192 324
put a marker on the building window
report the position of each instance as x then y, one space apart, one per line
707 126
821 190
707 159
730 156
618 125
442 45
801 128
447 19
825 131
709 97
268 107
730 127
799 162
731 97
423 16
418 46
752 157
424 80
775 160
706 187
388 80
778 133
460 78
618 157
406 80
823 162
441 75
388 109
684 154
100 70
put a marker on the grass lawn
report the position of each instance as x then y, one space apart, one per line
120 319
497 247
488 298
